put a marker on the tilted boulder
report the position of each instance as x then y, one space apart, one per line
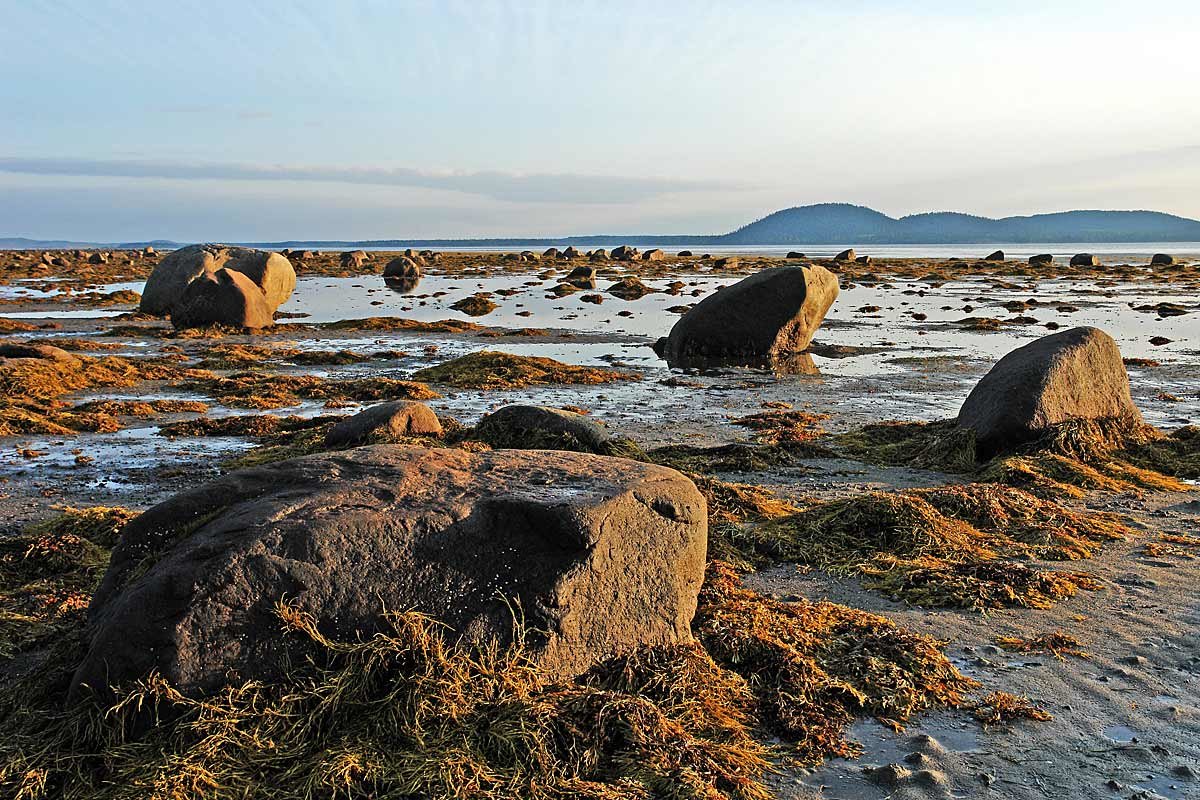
1072 374
539 427
385 421
1041 260
271 272
998 255
224 297
600 555
846 255
44 352
769 314
624 253
1085 260
653 255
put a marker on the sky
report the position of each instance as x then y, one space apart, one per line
235 121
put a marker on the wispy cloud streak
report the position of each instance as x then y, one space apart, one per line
505 186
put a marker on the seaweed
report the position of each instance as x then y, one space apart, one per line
488 369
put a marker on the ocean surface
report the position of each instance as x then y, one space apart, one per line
1108 252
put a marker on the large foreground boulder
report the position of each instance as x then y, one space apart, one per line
528 427
224 297
271 272
769 314
596 555
1073 374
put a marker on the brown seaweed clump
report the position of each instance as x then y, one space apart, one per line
1059 644
48 573
787 429
402 713
954 546
814 667
1001 707
487 369
1068 460
263 390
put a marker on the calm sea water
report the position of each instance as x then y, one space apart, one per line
1108 252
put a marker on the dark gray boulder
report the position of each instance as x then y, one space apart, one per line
996 256
1072 374
601 556
1085 260
767 315
402 267
1041 260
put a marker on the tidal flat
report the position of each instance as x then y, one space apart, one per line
1099 547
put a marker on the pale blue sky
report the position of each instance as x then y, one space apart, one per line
235 120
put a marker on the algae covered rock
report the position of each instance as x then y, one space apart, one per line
600 555
767 315
1072 374
540 427
386 420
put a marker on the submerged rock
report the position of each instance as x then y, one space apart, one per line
596 555
1073 374
765 316
385 421
540 427
270 272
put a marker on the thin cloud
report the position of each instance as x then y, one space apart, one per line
505 186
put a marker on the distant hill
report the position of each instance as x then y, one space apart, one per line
824 224
829 223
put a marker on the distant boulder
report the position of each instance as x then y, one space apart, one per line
1162 259
599 254
685 253
386 421
864 260
996 256
582 277
354 259
624 253
768 315
571 252
271 272
98 258
846 255
550 253
1072 374
224 297
527 427
1041 260
402 267
587 556
653 255
1084 260
796 254
729 262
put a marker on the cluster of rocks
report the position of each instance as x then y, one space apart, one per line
211 284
